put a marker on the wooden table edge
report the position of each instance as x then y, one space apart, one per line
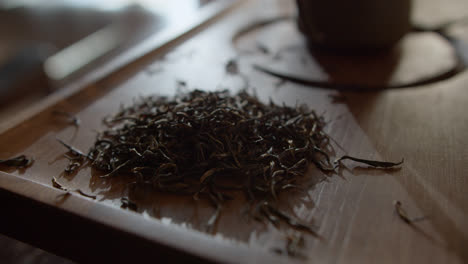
86 230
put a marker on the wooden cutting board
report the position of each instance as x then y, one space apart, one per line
353 210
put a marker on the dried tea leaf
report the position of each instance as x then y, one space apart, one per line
20 161
73 119
404 215
178 145
79 191
208 174
59 186
71 149
232 67
373 163
295 246
127 204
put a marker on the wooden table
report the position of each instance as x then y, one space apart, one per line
426 125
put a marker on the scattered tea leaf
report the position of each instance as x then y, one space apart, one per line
291 221
295 246
77 159
263 48
181 83
232 67
20 161
59 186
73 119
404 215
373 163
85 194
127 204
72 149
401 212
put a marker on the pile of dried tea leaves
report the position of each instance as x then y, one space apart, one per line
206 144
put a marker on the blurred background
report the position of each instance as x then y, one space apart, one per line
47 44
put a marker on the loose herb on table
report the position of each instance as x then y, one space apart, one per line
72 118
404 215
76 159
373 163
59 186
200 143
20 161
127 204
209 144
295 245
205 144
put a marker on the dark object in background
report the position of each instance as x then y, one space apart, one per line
22 70
360 25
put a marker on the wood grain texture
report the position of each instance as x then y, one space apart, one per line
426 125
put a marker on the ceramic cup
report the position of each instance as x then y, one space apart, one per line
354 24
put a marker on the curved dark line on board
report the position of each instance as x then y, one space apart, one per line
258 24
355 87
